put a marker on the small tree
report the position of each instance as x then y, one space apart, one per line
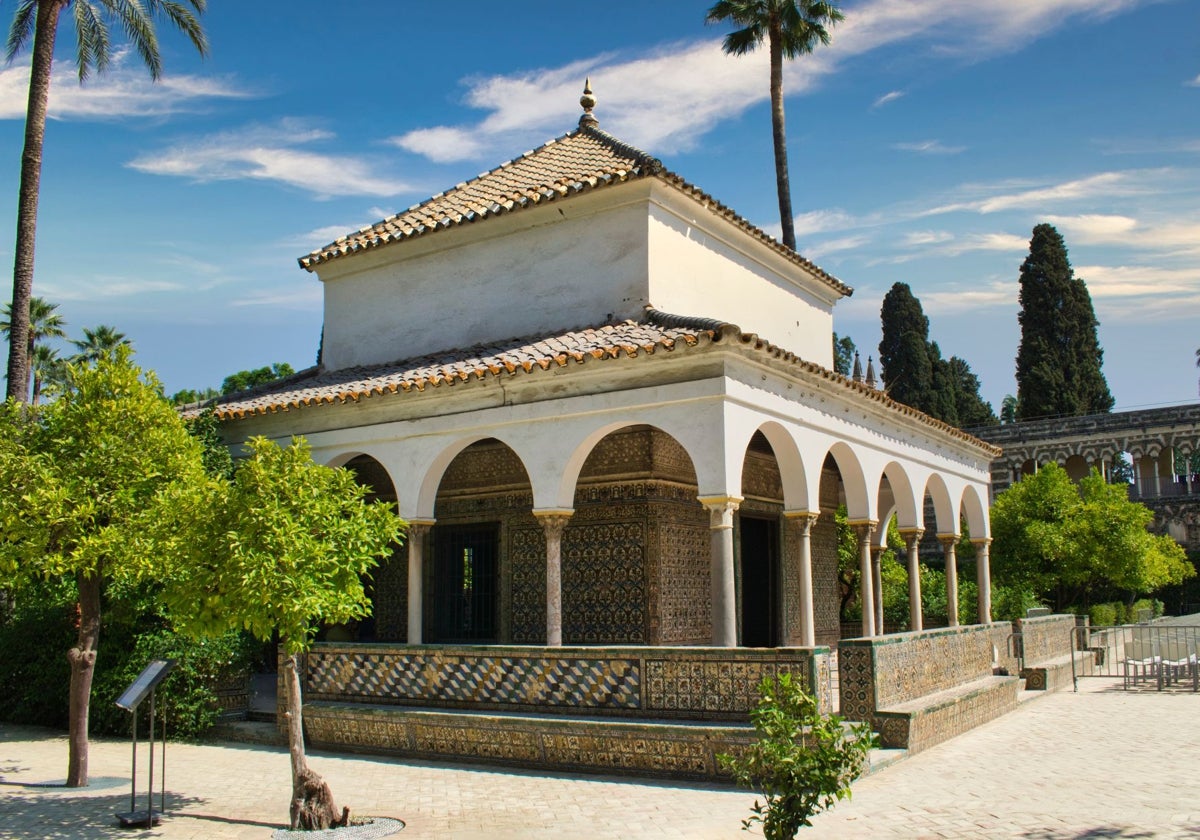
77 477
282 548
803 761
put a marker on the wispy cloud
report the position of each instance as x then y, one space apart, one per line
890 96
834 246
1173 237
929 147
993 294
1193 82
125 90
994 198
695 85
272 153
305 298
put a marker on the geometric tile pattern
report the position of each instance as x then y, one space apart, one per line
709 686
474 679
1047 638
672 749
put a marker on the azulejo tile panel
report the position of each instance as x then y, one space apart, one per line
485 680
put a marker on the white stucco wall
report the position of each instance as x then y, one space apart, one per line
705 267
570 264
537 272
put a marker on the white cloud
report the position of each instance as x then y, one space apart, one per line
1194 82
998 197
1177 237
987 295
921 238
124 90
822 221
665 100
108 287
271 154
833 246
890 96
303 297
929 147
1105 281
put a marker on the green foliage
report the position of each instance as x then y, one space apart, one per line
214 453
1059 358
1012 602
1103 615
803 761
1066 543
904 349
283 547
843 354
190 396
34 676
190 704
244 379
76 474
33 670
1008 409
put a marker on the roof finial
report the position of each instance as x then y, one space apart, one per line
857 375
870 380
588 102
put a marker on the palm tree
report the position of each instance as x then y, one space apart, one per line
38 20
100 343
44 322
791 28
48 371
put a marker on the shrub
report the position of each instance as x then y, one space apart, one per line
803 761
1012 602
33 670
1103 615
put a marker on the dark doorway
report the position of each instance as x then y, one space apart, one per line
465 582
760 582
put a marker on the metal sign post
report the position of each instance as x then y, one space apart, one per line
144 685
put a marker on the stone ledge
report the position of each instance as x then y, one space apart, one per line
929 720
1058 673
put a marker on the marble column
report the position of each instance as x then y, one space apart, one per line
983 578
418 530
724 597
866 587
949 543
877 581
803 522
912 541
553 524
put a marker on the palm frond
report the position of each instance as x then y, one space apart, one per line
139 30
21 30
92 46
742 41
184 19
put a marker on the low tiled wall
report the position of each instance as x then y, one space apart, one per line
693 683
917 689
1006 642
678 750
1047 638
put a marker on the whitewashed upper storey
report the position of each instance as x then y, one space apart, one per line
580 232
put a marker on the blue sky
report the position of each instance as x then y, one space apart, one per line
925 143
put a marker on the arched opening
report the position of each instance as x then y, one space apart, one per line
1076 467
388 586
636 557
758 541
484 570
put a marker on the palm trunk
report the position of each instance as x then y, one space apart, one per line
82 659
312 806
782 182
46 28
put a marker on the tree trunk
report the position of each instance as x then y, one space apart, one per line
46 28
82 659
782 183
312 801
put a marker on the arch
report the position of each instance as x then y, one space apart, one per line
975 511
1076 467
859 503
436 469
905 503
944 510
791 466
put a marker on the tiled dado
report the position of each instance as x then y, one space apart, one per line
699 683
1047 638
677 750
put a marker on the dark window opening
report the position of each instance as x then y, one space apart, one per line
465 582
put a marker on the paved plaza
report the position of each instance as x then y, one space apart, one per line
1100 763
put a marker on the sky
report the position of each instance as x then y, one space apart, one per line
925 143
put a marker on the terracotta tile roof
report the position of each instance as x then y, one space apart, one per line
659 333
583 160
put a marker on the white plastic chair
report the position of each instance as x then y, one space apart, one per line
1141 660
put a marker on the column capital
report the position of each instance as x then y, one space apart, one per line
420 526
911 533
720 510
948 540
982 542
804 519
864 528
554 521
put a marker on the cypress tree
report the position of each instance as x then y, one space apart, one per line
972 410
944 394
904 349
1058 362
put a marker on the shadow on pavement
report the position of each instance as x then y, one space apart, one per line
33 816
1099 832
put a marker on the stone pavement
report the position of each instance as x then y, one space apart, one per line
1100 763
